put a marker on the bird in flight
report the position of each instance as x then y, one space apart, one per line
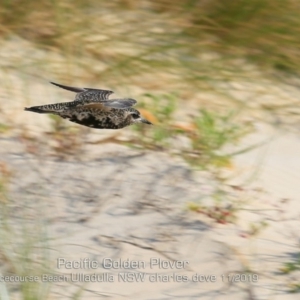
92 108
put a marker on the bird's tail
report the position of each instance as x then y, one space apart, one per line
47 109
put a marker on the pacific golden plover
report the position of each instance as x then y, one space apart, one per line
92 108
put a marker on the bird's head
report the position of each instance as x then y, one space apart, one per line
137 118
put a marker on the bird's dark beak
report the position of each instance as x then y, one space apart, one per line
146 121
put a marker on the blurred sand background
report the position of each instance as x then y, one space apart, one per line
182 190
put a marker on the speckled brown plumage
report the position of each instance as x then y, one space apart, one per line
92 108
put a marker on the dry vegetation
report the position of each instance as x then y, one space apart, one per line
265 31
130 38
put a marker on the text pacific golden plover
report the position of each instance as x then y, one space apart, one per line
92 108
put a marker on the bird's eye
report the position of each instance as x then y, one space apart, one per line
135 116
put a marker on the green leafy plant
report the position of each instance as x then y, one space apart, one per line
161 108
208 132
212 133
291 266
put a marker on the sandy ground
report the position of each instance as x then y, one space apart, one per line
120 215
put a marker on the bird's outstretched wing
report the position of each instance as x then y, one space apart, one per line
108 105
87 95
119 103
